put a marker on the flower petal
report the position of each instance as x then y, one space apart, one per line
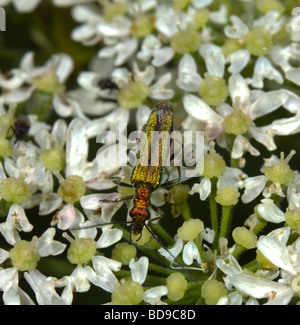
139 269
270 212
258 287
276 252
153 295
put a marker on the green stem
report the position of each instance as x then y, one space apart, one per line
162 233
160 269
259 226
185 210
252 266
197 242
225 223
238 250
213 211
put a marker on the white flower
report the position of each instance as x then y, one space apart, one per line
22 6
253 187
139 269
190 252
122 51
59 66
101 274
273 247
153 296
255 104
271 22
151 48
231 177
12 293
44 287
276 293
270 212
188 77
16 221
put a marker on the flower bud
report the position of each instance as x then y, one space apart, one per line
123 252
227 195
81 250
176 284
128 292
190 229
258 41
71 189
214 164
212 291
132 95
213 90
244 237
24 255
186 41
15 190
281 173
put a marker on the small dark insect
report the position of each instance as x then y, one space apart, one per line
107 83
21 127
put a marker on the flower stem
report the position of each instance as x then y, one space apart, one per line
160 269
225 223
185 210
213 211
162 233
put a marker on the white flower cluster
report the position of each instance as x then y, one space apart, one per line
243 71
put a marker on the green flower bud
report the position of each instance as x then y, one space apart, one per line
281 173
133 94
292 218
6 124
186 41
190 229
213 90
142 25
128 293
54 159
113 9
231 45
24 255
212 291
227 195
259 41
237 122
176 284
265 5
15 190
71 189
48 83
6 149
214 164
81 250
180 5
178 194
123 252
244 237
201 18
7 121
